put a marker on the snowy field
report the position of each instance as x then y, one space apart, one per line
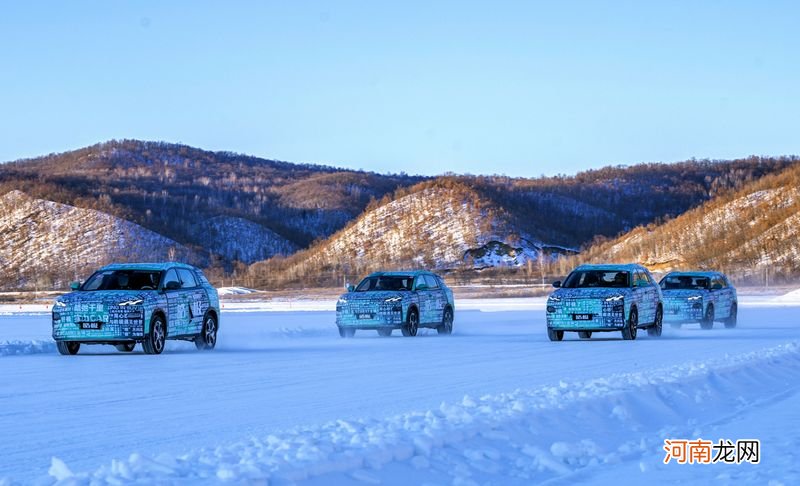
284 400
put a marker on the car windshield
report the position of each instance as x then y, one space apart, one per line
597 278
122 280
385 283
684 282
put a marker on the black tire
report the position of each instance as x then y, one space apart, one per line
630 329
412 324
730 322
585 334
658 325
555 335
385 332
446 327
346 332
68 348
156 338
125 348
708 319
207 339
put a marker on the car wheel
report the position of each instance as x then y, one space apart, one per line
412 325
585 334
730 322
384 332
346 332
446 327
657 327
156 338
629 331
125 348
555 335
207 339
708 319
68 348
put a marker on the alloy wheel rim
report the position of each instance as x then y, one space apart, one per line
211 332
158 335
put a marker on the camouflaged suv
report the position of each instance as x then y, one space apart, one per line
701 297
385 301
602 298
148 303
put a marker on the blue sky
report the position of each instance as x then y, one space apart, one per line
521 88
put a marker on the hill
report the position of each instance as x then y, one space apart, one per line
47 244
171 188
298 221
749 232
466 223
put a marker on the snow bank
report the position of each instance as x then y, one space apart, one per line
792 297
8 348
25 309
512 438
235 291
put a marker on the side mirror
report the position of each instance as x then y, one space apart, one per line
172 285
716 286
75 285
350 287
557 284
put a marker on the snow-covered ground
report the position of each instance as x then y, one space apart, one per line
284 399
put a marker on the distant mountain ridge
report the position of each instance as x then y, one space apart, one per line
171 188
297 221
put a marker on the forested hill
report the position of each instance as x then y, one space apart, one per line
231 210
175 189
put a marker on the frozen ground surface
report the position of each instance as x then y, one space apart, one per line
284 400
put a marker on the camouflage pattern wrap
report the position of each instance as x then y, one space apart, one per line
108 316
389 309
603 308
690 305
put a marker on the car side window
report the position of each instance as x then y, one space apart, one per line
171 280
420 284
639 280
432 282
187 279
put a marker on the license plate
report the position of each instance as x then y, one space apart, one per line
364 316
91 325
581 317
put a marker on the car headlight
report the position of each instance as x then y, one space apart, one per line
393 299
554 298
615 298
341 300
131 302
58 303
695 297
